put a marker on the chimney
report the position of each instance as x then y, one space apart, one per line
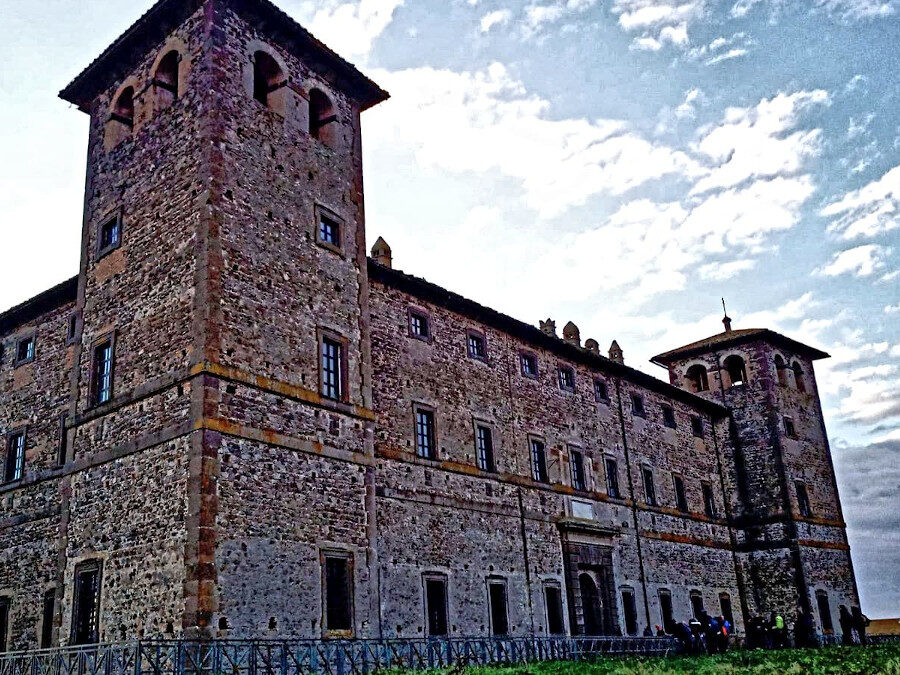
592 346
571 334
548 327
615 353
381 253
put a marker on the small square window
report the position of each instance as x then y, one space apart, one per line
637 405
697 426
601 392
789 430
109 236
476 345
566 378
329 231
25 350
668 413
419 325
529 365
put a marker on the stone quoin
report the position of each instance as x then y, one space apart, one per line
234 423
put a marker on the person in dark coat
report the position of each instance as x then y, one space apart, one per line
860 623
804 630
846 621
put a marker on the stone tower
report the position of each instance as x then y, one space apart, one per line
223 254
792 542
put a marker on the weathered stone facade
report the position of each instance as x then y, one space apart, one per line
220 411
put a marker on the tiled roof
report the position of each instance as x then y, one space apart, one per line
736 337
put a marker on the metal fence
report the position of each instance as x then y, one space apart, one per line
352 657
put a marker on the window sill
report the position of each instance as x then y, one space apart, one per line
103 252
330 247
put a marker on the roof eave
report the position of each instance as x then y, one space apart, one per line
667 358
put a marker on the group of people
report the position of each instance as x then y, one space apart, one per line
853 626
704 634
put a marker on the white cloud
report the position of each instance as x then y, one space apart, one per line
487 122
755 142
349 28
538 15
869 211
862 261
723 271
721 49
892 309
499 17
658 22
743 7
727 56
859 9
858 128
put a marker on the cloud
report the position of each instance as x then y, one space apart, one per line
756 142
844 10
349 28
499 17
723 271
721 49
869 211
539 15
862 261
486 121
658 22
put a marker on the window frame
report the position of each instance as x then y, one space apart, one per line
436 577
601 396
323 335
556 587
617 492
31 351
678 486
14 466
698 428
727 610
825 617
539 473
632 615
577 470
693 597
80 569
489 465
72 328
666 620
523 355
709 499
790 429
564 370
638 407
497 582
94 391
418 313
668 413
323 212
347 557
5 607
804 507
479 337
118 221
650 496
47 618
432 436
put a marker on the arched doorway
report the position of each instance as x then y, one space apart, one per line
591 605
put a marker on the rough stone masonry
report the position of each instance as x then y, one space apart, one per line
233 423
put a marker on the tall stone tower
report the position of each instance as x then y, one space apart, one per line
223 262
792 542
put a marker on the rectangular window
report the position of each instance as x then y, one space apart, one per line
630 609
484 447
86 604
529 365
425 437
649 487
668 413
612 478
14 467
333 369
601 393
102 381
109 236
566 378
667 615
538 461
25 350
725 604
576 459
824 612
47 615
419 326
709 503
72 329
553 600
680 496
476 346
329 231
697 426
697 604
789 430
338 589
436 605
499 616
637 405
802 499
4 623
63 449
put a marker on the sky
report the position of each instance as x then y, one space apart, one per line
623 164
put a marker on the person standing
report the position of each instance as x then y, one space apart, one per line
860 623
846 621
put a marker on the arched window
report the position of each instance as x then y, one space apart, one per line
798 376
322 117
268 79
737 370
781 370
698 379
166 79
123 110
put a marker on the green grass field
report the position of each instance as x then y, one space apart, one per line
836 660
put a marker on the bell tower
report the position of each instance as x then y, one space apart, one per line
792 541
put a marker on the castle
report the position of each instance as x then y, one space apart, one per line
234 423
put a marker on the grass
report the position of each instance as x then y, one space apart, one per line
830 660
